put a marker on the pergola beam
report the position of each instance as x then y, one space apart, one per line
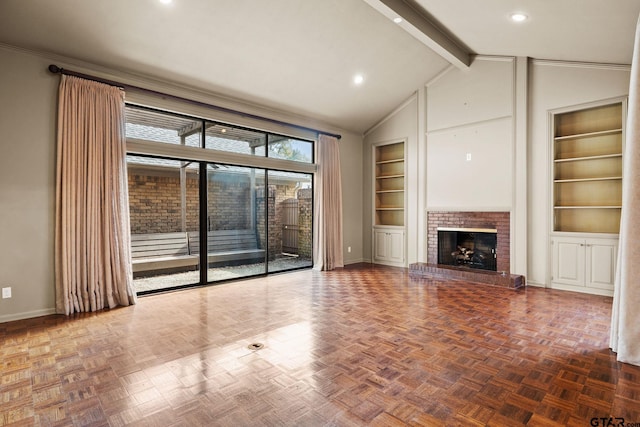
190 129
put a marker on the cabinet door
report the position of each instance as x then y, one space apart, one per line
380 245
601 263
568 261
396 246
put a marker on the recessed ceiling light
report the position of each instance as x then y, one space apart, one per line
518 17
397 20
358 79
165 1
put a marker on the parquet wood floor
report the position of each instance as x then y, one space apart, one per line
365 345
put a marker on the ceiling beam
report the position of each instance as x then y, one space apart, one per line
425 30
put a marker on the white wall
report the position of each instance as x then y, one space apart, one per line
27 174
27 184
469 167
482 93
352 202
555 85
470 138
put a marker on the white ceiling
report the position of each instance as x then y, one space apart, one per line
300 56
599 31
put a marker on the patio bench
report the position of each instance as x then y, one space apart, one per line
161 251
228 246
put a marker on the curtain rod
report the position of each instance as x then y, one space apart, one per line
58 70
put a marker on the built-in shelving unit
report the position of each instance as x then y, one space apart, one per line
389 203
587 149
389 184
587 169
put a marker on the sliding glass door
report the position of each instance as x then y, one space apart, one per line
211 202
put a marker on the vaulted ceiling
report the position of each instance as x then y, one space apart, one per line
300 56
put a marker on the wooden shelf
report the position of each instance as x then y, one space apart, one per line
389 176
594 220
389 152
591 122
395 183
587 169
603 144
576 159
384 162
389 184
587 207
390 217
588 134
606 178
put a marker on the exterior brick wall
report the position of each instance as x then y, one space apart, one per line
228 201
263 200
154 206
276 195
305 223
501 221
154 203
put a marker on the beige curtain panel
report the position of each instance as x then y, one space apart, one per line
92 253
625 314
327 246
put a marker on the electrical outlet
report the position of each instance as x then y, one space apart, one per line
349 249
6 292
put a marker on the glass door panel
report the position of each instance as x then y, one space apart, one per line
236 233
163 211
290 220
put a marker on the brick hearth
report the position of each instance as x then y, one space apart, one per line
446 272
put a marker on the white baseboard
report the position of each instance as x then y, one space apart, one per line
356 261
536 284
583 290
27 315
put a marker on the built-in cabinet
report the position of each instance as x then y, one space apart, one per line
388 245
587 148
584 264
389 203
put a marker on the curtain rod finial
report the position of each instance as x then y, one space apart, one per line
55 69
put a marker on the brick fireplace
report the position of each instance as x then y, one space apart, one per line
498 220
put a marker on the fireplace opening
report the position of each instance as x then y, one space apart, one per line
468 247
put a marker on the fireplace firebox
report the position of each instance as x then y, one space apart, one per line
468 247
